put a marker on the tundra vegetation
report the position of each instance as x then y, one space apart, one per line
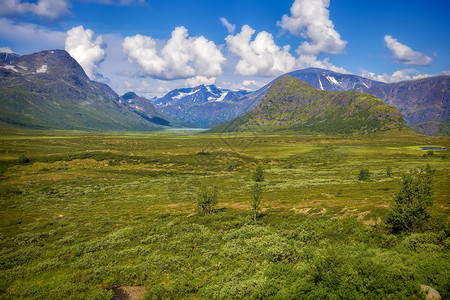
83 212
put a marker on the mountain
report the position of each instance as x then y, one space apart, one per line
50 90
327 80
144 108
421 100
292 104
433 128
201 106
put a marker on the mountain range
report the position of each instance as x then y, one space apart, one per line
291 104
50 90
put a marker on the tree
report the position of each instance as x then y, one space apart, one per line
413 201
388 171
256 198
364 174
258 174
207 199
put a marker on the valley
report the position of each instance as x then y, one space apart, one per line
84 213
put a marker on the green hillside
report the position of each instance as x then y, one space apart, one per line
291 104
49 90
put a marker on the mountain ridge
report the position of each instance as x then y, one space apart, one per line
50 90
292 104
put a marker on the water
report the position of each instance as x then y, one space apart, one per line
433 148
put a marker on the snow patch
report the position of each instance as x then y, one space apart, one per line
222 97
42 69
321 86
332 80
9 67
210 98
181 95
365 84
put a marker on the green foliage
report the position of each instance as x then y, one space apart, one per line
413 201
255 202
207 199
389 171
258 173
364 174
23 160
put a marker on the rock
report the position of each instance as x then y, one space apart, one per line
431 293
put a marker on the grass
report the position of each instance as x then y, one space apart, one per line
90 211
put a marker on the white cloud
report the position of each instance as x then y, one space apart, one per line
310 19
50 9
181 57
261 56
402 54
400 75
230 27
86 50
198 80
6 50
310 61
30 37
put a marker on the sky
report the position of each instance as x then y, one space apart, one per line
153 46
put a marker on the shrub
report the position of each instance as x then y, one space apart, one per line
23 160
364 174
412 202
258 174
388 171
207 199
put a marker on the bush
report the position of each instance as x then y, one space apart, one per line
364 174
412 202
23 160
258 174
207 199
388 171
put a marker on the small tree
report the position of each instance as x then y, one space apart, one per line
23 160
256 198
388 171
413 201
364 174
258 174
207 199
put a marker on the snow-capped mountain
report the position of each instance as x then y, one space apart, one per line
197 95
327 80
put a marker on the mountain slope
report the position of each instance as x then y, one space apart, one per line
201 106
292 104
422 100
49 89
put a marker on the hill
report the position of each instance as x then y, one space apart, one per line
50 90
292 104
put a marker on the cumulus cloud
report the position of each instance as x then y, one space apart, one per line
230 27
6 50
181 57
261 56
50 9
310 19
400 75
402 54
198 80
86 50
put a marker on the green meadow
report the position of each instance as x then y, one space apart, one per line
82 214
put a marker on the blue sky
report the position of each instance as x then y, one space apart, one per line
153 46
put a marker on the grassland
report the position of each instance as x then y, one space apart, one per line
87 212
